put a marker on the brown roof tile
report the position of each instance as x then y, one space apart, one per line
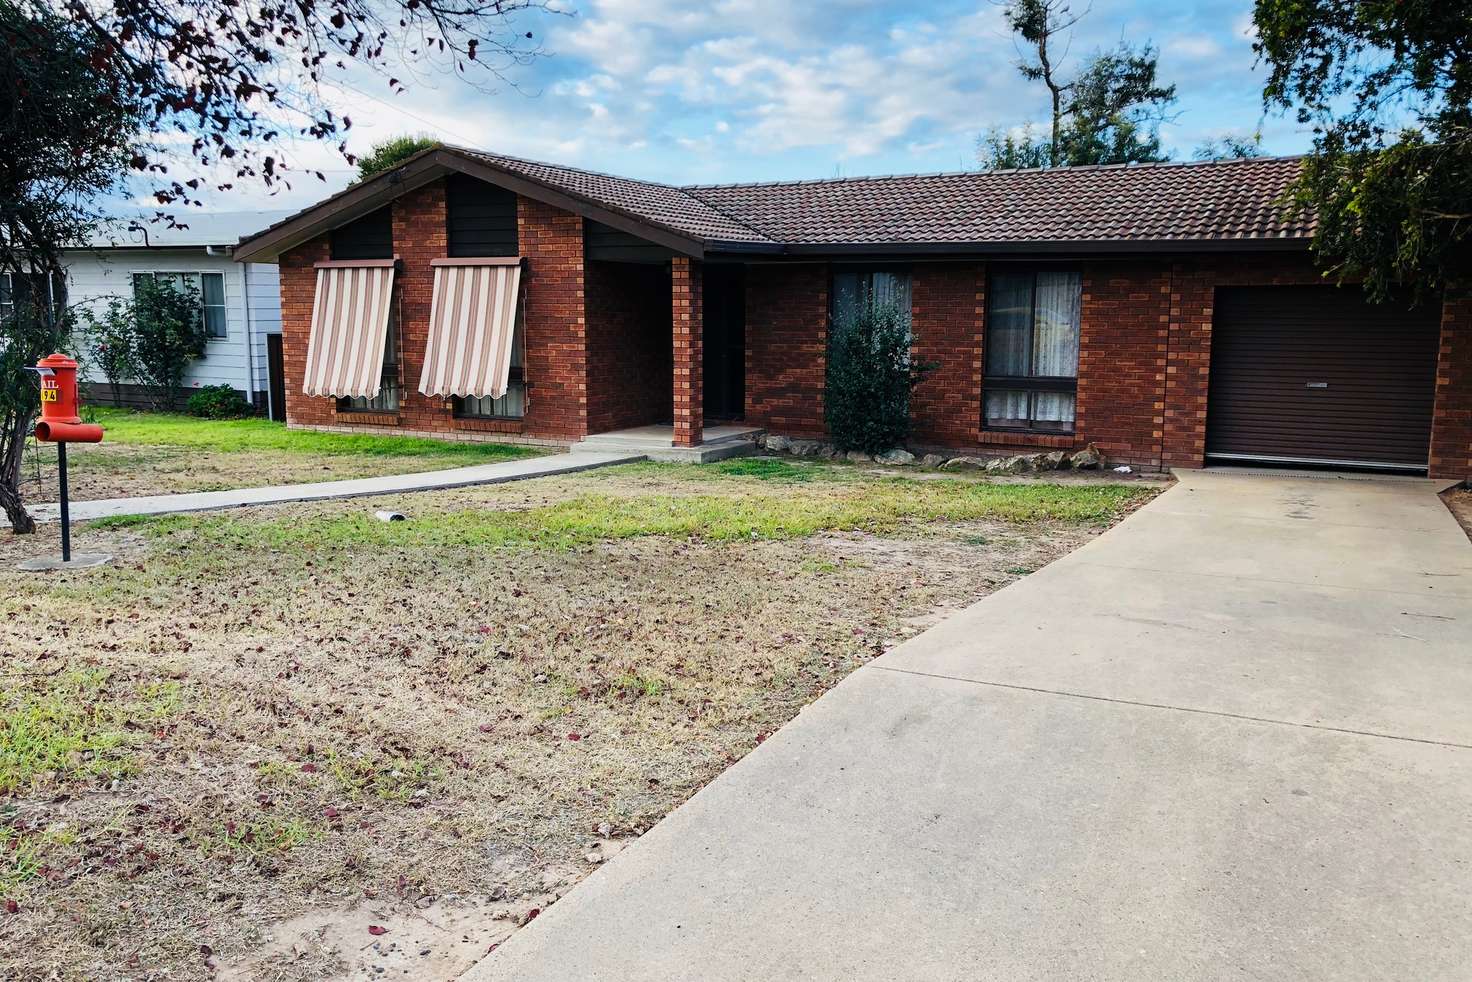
1221 200
662 204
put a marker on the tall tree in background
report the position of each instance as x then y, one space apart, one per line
390 152
1109 112
184 96
1386 85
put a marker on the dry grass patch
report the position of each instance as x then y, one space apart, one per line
168 453
276 728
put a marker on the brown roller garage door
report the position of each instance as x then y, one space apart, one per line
1317 375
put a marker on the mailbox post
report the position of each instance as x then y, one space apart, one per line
61 424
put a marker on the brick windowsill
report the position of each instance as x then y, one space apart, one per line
1007 438
488 425
349 417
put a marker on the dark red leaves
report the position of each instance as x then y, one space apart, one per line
574 737
376 930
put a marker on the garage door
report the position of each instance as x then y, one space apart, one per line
1318 375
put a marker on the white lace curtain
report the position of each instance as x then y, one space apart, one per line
1033 331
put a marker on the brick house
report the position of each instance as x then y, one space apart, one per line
1169 314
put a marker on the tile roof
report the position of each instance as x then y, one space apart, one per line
1220 202
1211 201
661 204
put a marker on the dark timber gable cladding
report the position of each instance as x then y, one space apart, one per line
480 218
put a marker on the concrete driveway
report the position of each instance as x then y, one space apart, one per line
1230 739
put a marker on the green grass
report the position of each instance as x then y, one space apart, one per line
250 435
260 837
75 730
23 853
877 506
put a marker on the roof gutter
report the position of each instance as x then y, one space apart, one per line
1076 247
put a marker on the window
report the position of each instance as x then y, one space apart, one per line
510 406
1032 350
211 290
855 289
17 288
387 400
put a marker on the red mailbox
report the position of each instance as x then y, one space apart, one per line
59 421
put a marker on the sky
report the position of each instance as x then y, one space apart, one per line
750 90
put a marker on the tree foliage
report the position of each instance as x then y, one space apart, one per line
391 152
67 121
1108 112
1386 86
228 81
168 333
870 375
999 149
109 337
1230 146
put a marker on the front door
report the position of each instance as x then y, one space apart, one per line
724 351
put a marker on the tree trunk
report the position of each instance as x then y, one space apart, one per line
12 446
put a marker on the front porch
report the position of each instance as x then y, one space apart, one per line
665 342
658 442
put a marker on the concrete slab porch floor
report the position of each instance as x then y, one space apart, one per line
1228 739
658 443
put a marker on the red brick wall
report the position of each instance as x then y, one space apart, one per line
629 345
1123 335
1451 425
786 338
298 290
552 244
688 313
946 311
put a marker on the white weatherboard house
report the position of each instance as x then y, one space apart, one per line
241 301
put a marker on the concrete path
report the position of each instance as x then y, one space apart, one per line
1229 739
456 477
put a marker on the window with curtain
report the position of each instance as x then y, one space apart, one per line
1032 350
512 405
855 289
7 298
211 290
387 400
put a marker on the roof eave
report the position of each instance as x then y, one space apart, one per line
419 170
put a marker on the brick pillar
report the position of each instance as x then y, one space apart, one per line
689 395
1451 423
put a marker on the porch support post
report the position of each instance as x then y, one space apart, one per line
689 398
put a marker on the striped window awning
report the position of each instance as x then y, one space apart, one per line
349 328
472 322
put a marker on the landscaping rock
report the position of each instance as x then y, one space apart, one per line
933 460
858 457
1056 460
1087 459
828 451
964 464
777 444
896 457
804 448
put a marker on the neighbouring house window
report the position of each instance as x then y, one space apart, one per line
16 288
853 290
1032 350
512 405
387 400
211 289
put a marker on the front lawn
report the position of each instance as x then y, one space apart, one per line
299 743
162 453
